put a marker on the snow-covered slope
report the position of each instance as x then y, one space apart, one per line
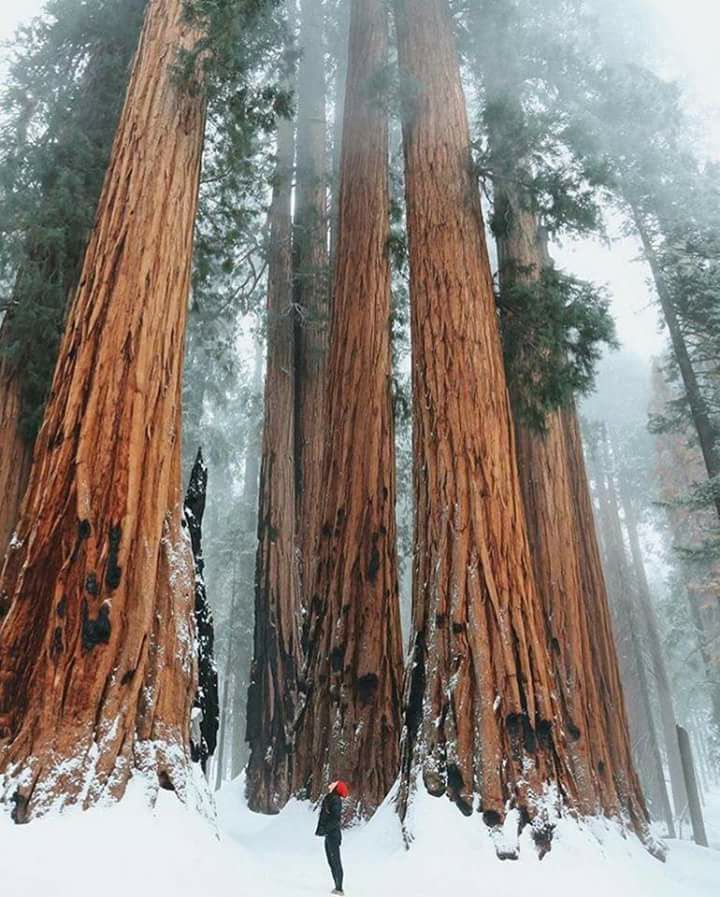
171 852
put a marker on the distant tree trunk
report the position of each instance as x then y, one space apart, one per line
700 753
704 634
699 410
662 680
239 629
642 727
310 285
563 546
97 671
604 641
276 645
15 451
351 718
229 683
480 716
341 61
696 815
206 710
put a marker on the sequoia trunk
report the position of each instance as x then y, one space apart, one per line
627 634
54 248
605 668
310 285
480 715
97 669
15 453
660 673
276 646
562 540
351 718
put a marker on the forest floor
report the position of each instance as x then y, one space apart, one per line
172 852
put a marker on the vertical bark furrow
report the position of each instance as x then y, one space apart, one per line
310 286
96 653
15 457
276 661
489 731
354 661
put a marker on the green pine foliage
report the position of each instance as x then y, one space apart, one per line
67 75
553 333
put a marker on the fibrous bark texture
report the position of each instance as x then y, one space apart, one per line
54 248
97 668
626 627
605 667
481 721
310 285
15 453
351 715
660 673
206 709
555 495
276 647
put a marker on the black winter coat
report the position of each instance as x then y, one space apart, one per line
330 815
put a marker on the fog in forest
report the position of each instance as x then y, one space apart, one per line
594 129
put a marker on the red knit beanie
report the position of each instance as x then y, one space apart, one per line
342 789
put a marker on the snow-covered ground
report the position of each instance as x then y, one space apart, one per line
171 852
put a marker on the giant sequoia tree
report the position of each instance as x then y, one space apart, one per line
627 629
551 327
62 99
310 284
97 669
481 722
16 454
276 645
351 717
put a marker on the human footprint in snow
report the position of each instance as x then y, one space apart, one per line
329 827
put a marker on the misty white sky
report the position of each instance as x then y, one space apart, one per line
687 33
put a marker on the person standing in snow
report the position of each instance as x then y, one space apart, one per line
329 826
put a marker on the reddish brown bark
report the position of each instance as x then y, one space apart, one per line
276 653
97 666
564 552
577 617
310 285
605 668
481 720
660 673
55 259
15 456
351 716
626 627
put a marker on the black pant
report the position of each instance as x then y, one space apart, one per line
332 851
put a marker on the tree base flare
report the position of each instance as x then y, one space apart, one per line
49 783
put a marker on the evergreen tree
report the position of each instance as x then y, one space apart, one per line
61 102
